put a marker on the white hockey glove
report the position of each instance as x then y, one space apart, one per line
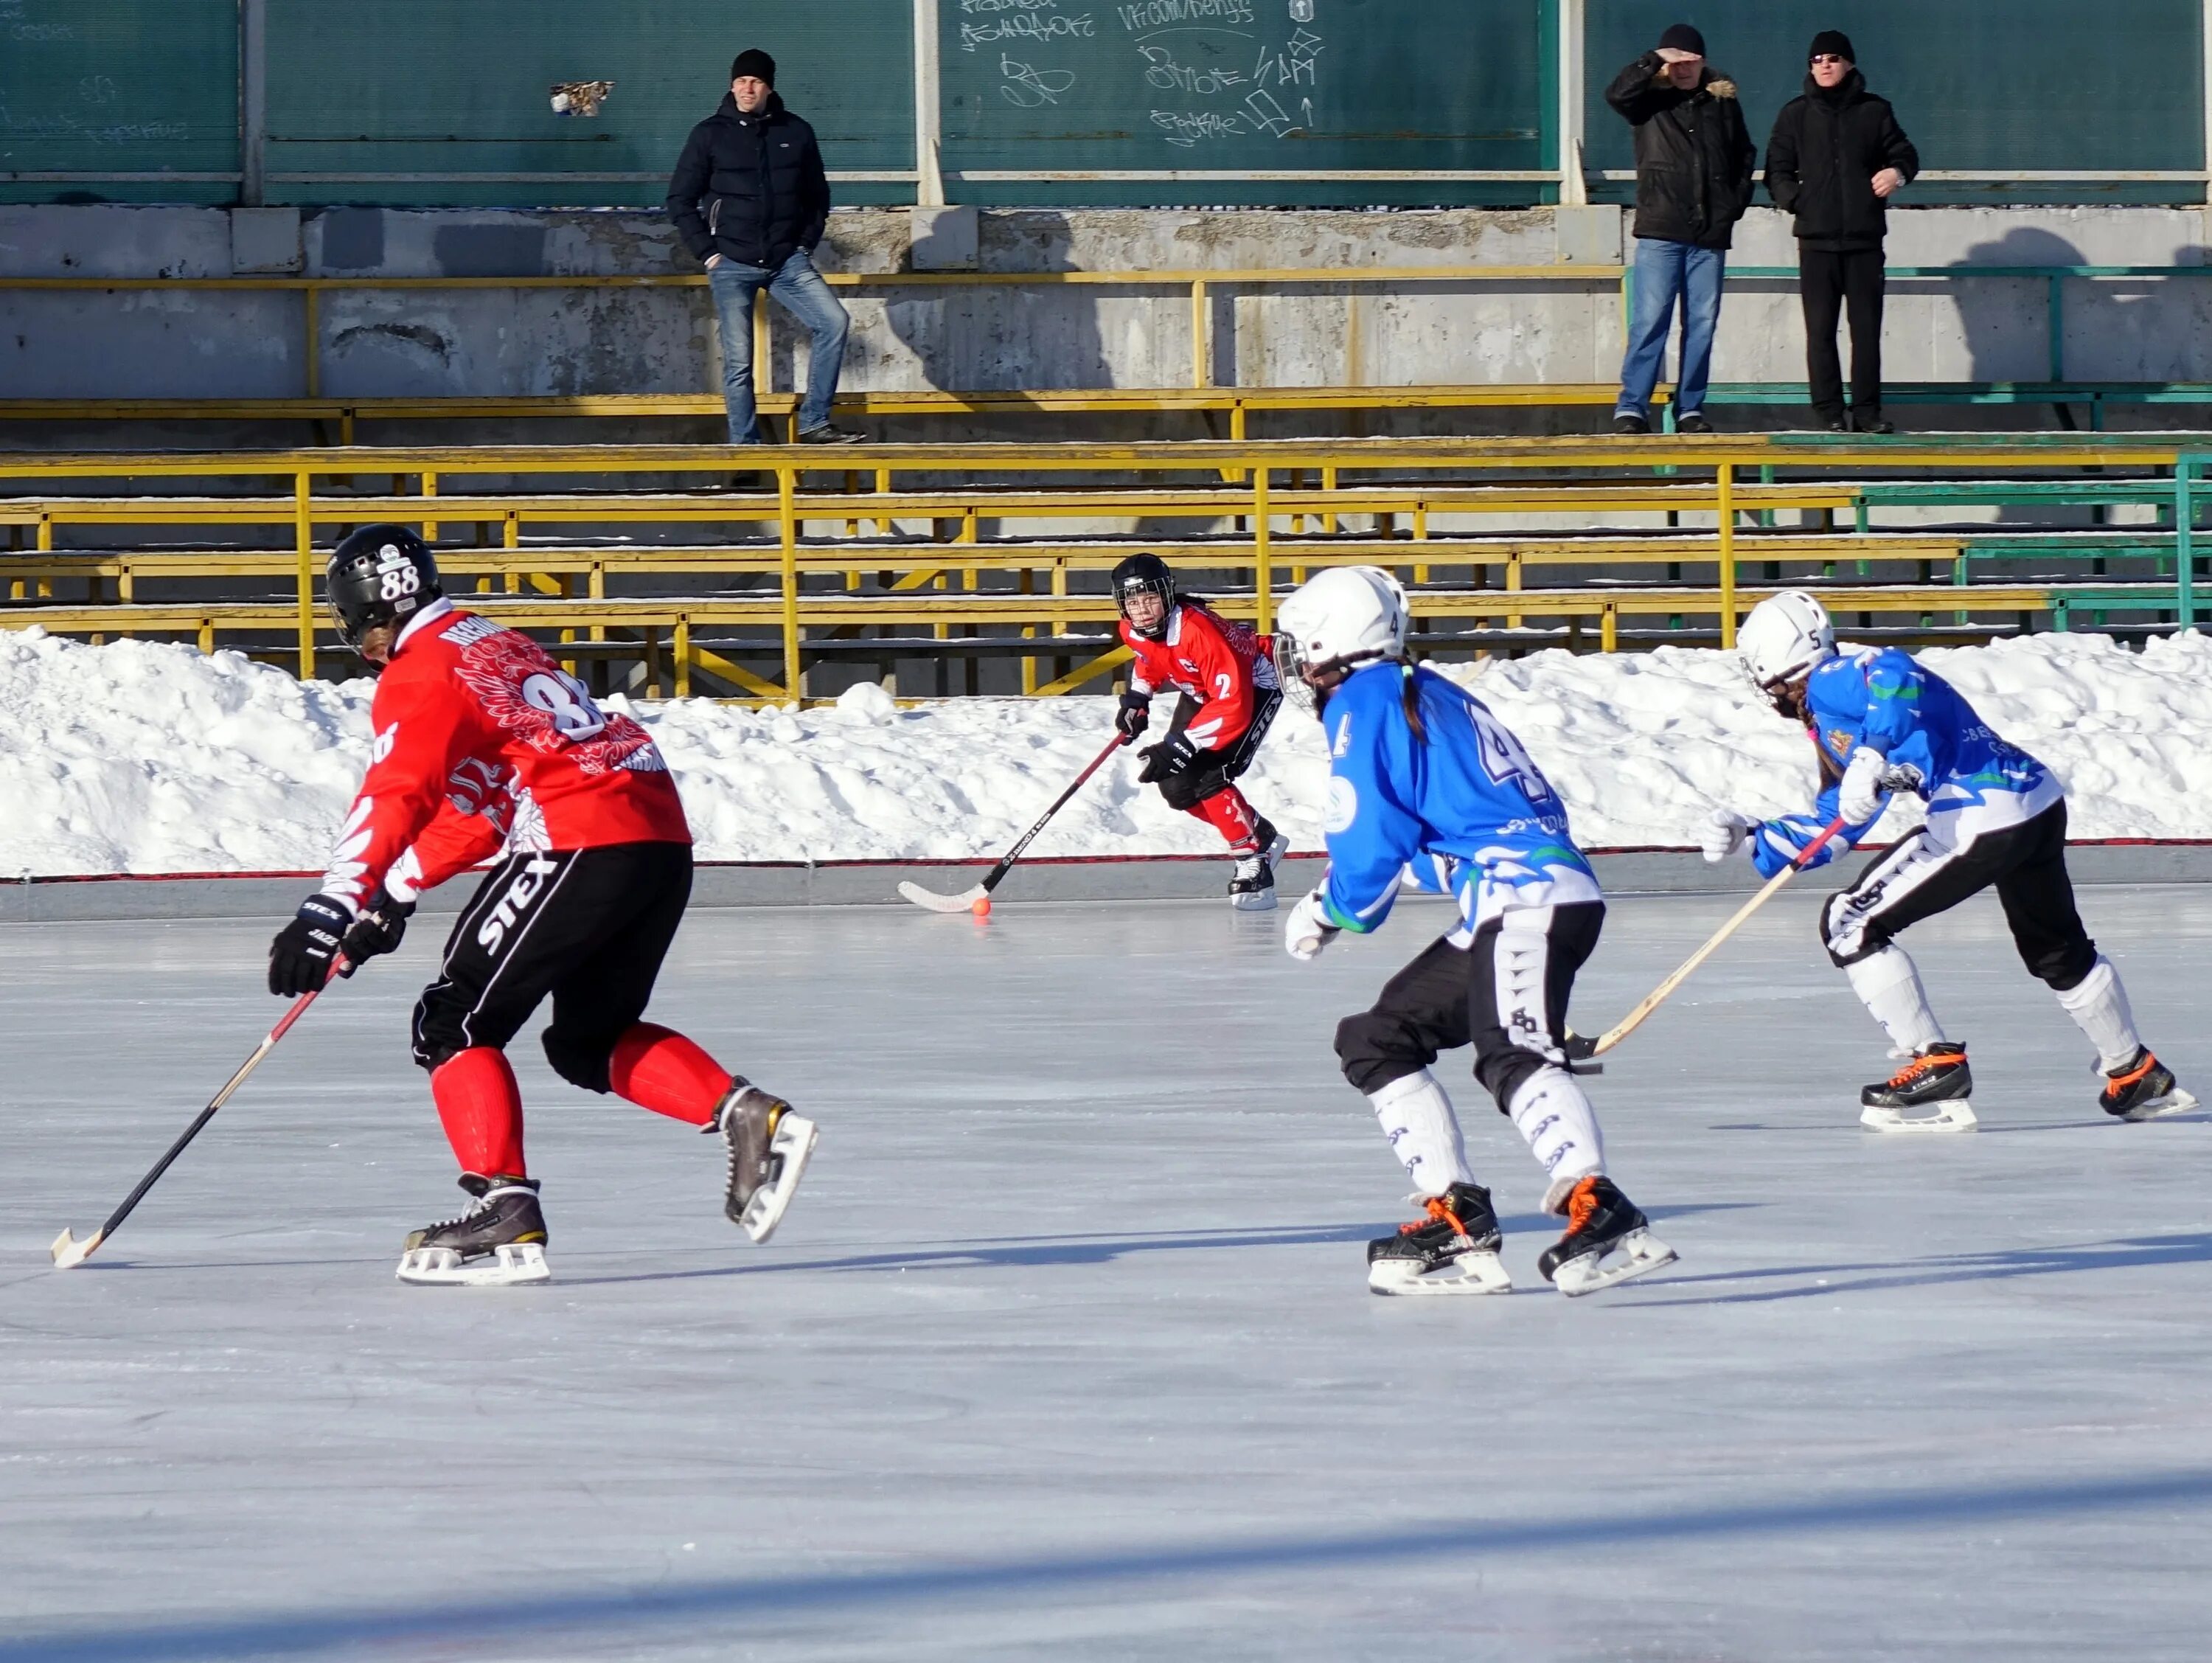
1722 835
1859 798
1308 930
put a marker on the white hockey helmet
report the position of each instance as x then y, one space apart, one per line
1784 637
1346 615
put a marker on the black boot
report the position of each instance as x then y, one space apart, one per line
1937 1074
1452 1250
1607 1241
1252 887
505 1225
768 1147
2143 1089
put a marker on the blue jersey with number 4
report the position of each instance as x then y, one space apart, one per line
1466 808
1880 698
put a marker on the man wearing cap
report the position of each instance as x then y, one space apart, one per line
750 199
1693 181
1837 157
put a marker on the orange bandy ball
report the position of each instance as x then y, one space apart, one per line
981 908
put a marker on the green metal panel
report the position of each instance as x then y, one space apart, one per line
444 87
1148 86
1981 85
101 87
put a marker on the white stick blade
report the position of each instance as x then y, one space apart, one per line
937 902
69 1252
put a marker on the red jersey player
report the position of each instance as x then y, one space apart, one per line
1225 675
484 744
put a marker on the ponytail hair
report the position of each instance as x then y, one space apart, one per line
1410 694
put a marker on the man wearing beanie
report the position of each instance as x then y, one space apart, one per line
1693 181
1836 158
750 199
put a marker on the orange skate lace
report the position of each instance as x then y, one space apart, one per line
1439 1211
1581 1202
2120 1081
1917 1066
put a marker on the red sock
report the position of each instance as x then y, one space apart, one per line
1227 813
480 1107
658 1068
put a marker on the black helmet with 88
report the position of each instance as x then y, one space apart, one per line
379 575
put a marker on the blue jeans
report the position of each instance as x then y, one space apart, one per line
808 298
1666 272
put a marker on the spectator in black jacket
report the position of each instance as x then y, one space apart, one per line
1837 157
1693 181
750 199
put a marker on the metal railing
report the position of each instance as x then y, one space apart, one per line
1284 502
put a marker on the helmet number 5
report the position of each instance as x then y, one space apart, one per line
563 697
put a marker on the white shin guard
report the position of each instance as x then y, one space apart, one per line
1417 1117
1550 1110
2099 1005
1889 986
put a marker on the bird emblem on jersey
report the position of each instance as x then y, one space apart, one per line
547 708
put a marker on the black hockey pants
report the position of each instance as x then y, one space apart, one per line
2026 864
1211 772
588 926
1506 994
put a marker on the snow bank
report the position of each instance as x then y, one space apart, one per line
139 757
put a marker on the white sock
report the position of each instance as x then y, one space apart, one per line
1549 1110
2099 1005
1890 988
1418 1119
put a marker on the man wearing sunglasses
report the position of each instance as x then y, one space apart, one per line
1836 157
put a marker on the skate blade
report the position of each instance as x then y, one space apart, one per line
1635 1254
1955 1117
2176 1101
1260 901
794 1139
1470 1273
506 1267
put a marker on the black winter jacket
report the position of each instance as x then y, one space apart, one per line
1693 154
749 187
1827 147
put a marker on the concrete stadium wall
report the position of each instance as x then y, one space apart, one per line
195 343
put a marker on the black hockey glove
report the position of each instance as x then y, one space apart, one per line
1170 756
1134 716
299 958
379 929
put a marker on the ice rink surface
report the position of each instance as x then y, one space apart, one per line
1065 1348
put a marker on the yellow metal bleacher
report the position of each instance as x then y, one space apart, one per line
836 548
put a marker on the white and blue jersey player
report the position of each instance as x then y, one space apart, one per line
1996 818
1423 776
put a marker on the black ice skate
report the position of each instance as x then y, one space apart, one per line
498 1242
1253 887
1936 1079
2144 1089
1607 1241
768 1147
1454 1249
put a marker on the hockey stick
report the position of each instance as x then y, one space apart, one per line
69 1252
967 897
1658 996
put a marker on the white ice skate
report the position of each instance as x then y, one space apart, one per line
1954 1115
1252 887
1635 1254
1476 1272
504 1267
1932 1093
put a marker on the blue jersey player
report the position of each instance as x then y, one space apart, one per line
1996 818
1423 776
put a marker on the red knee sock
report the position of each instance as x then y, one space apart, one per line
659 1069
1227 813
481 1108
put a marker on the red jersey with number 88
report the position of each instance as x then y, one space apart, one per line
484 742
